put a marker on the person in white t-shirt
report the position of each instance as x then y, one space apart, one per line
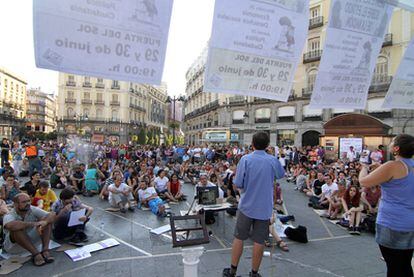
365 155
351 154
327 190
376 156
160 183
120 194
148 197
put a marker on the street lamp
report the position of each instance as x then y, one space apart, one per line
173 100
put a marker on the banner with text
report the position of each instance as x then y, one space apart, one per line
401 92
255 47
114 39
354 39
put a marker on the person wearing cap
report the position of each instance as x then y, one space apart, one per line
255 175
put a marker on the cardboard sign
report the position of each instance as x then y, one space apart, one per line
120 40
255 47
354 39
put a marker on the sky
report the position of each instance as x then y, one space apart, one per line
189 32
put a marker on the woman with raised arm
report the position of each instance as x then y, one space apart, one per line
395 220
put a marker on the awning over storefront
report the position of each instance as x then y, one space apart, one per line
357 125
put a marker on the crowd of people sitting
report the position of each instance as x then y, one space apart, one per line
134 176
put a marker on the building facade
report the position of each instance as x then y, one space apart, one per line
41 111
12 103
224 118
109 110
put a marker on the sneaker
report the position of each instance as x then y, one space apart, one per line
227 273
76 239
131 209
254 275
353 231
83 237
357 231
123 210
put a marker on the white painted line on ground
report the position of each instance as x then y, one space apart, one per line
129 220
326 227
121 241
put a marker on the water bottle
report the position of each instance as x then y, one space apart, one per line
102 229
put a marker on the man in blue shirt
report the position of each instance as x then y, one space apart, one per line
255 176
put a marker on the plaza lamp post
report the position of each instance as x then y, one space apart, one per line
173 100
78 120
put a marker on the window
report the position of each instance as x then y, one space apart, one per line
70 113
114 97
100 80
86 95
314 44
237 115
115 84
286 114
262 113
315 12
71 78
87 79
71 95
99 112
99 97
114 115
311 77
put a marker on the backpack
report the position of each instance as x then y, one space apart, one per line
298 234
369 223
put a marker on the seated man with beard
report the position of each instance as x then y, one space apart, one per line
27 226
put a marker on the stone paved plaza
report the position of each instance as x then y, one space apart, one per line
331 251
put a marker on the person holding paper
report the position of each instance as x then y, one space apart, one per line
255 175
66 204
25 227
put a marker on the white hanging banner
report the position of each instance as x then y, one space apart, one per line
354 39
255 47
401 92
114 39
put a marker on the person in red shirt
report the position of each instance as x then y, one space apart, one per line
174 188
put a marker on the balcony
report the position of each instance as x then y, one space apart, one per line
258 100
115 103
380 83
87 101
70 101
100 85
306 92
87 85
387 40
71 84
100 102
312 118
262 120
237 100
118 87
286 119
238 121
136 107
312 56
315 22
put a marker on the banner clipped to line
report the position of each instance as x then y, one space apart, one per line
118 39
401 92
354 39
255 47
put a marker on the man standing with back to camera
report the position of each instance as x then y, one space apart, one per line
255 175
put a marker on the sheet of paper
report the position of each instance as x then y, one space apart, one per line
118 40
401 92
160 230
78 254
256 46
74 217
354 39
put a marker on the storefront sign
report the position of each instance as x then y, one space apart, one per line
255 47
234 137
215 136
401 92
345 143
354 39
98 138
120 40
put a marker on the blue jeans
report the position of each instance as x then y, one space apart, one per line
35 164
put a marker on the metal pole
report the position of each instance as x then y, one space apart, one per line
174 120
